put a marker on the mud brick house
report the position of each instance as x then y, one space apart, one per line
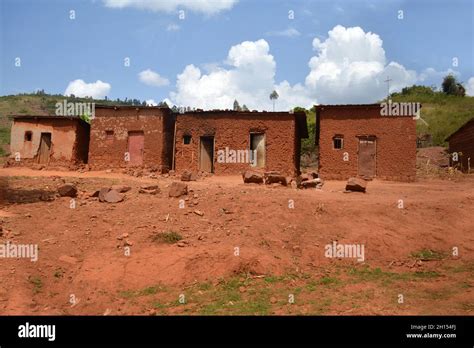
461 142
230 142
356 140
131 136
49 139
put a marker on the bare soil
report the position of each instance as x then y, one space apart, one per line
244 250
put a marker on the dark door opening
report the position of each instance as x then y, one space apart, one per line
367 156
257 146
206 157
44 148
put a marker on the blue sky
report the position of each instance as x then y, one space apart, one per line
56 50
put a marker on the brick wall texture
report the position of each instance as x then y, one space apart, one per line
395 142
232 129
157 125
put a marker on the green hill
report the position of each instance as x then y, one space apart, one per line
443 113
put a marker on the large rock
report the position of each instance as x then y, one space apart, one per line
103 191
121 188
251 176
188 176
178 189
312 183
113 197
150 189
274 178
356 184
67 190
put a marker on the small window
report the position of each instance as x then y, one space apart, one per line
109 136
186 139
338 142
28 136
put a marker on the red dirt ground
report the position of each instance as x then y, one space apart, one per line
281 249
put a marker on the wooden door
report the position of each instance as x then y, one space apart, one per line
136 146
206 157
44 148
367 156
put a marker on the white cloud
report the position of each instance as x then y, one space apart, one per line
151 78
349 66
208 7
470 87
250 79
80 88
173 27
290 32
151 102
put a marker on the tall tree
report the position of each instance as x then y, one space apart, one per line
452 87
236 105
273 97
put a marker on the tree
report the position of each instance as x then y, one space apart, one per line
452 87
237 105
245 108
274 96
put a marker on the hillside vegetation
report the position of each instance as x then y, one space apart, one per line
443 113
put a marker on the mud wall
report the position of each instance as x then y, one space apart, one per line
63 138
109 152
232 129
395 143
463 142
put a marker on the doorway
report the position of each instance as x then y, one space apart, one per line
136 146
206 154
44 148
367 156
257 142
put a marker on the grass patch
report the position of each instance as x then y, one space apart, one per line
169 237
428 255
37 283
151 290
376 274
329 281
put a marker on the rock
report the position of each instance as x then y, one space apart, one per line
150 189
94 194
198 212
178 189
305 177
312 183
356 184
103 191
274 178
113 197
273 299
242 289
46 197
67 190
121 188
251 176
188 176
